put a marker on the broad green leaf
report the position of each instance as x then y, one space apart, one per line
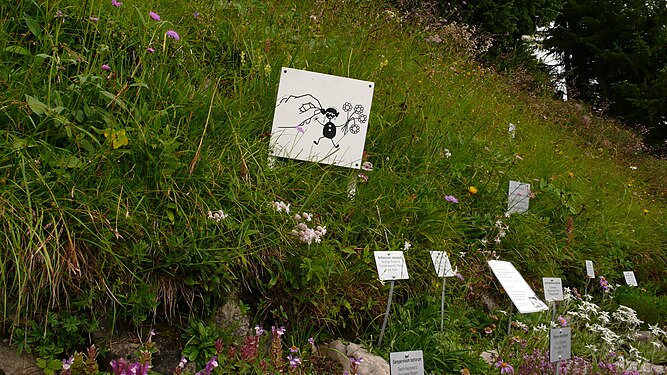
36 105
18 49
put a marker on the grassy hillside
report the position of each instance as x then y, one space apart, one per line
117 139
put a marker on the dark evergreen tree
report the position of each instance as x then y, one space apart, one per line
615 52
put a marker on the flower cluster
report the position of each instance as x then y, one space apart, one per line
281 206
309 235
217 216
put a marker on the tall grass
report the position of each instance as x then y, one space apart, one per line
107 175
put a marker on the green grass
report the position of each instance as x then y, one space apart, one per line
119 231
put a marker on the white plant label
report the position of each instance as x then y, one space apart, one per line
553 288
560 344
590 272
522 296
518 197
441 263
391 265
406 363
321 118
630 278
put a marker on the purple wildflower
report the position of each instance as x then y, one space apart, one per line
294 361
106 67
94 19
173 34
451 198
67 365
311 341
562 321
154 16
196 14
116 3
150 50
210 365
505 368
459 276
259 331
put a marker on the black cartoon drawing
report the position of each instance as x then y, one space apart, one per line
313 109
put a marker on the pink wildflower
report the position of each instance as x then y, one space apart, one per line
173 34
154 16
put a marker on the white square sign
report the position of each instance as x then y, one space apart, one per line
391 265
518 197
516 287
406 363
441 263
321 118
553 288
590 272
630 278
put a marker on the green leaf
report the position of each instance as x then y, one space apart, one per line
36 105
17 49
34 26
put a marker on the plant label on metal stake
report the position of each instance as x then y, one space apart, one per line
560 345
518 290
406 363
518 197
391 266
443 268
630 278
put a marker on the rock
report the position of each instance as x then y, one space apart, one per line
17 364
230 316
371 365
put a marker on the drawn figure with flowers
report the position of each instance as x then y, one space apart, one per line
313 110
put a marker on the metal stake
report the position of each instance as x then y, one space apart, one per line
442 305
386 314
509 323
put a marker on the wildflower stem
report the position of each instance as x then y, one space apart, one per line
195 158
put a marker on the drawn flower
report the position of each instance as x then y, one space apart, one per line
451 198
347 107
173 34
358 109
354 128
154 15
363 118
116 3
106 67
